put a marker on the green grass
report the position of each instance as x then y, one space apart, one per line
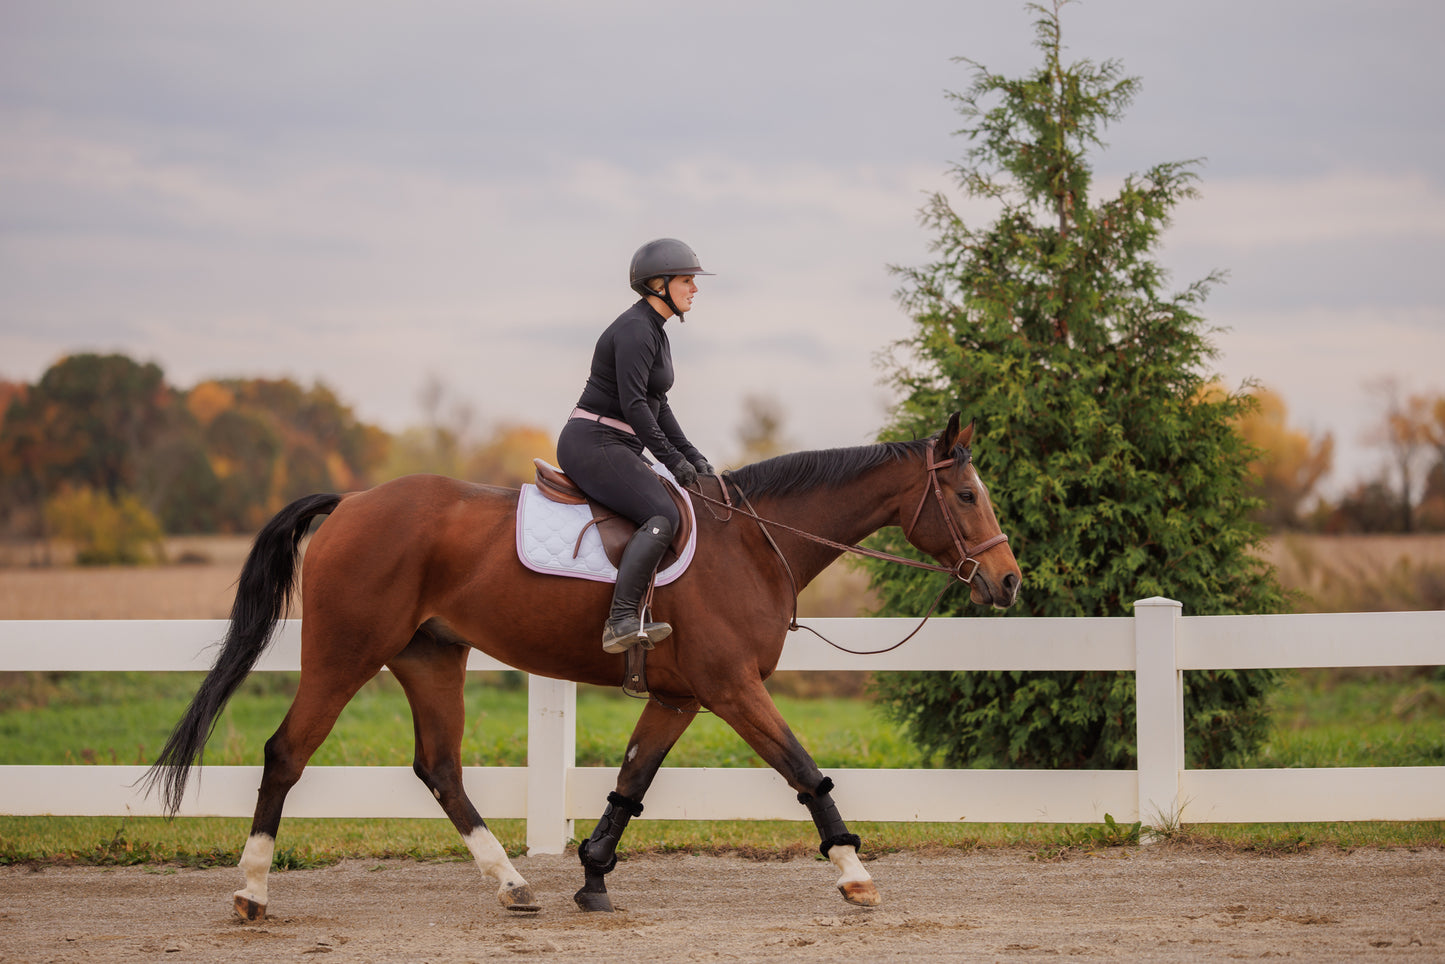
1320 719
124 718
217 841
1357 719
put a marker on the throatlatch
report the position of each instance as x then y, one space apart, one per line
825 817
598 853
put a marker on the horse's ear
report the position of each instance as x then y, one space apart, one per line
965 438
947 439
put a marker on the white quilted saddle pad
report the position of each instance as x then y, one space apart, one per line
547 537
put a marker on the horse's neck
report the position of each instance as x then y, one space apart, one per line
847 515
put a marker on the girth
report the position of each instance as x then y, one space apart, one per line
616 530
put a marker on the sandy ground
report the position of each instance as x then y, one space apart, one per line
1163 903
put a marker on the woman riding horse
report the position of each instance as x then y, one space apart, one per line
623 409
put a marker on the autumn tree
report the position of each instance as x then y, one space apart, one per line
1287 463
1432 503
88 423
761 430
1404 432
101 414
272 440
437 446
223 456
9 391
505 456
1115 474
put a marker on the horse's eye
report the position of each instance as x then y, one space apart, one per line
967 497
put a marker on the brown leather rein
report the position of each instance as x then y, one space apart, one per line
966 553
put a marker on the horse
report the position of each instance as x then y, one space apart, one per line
415 573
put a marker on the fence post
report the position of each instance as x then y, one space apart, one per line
551 752
1159 709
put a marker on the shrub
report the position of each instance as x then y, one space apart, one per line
1115 464
106 531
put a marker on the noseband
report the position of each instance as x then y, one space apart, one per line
966 554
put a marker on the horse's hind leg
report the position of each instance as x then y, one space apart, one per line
657 730
432 671
319 700
751 712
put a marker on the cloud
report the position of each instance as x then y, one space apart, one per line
1247 213
371 194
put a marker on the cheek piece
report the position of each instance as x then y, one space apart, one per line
825 817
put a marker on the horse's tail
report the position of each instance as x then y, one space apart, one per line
263 597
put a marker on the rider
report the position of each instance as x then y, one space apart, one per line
623 409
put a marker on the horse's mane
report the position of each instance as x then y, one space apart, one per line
824 468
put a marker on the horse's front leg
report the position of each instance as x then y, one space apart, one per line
657 730
751 712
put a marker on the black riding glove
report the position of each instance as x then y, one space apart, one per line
704 467
684 473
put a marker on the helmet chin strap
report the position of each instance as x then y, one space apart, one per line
666 297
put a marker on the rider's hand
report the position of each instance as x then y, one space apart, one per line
704 467
684 473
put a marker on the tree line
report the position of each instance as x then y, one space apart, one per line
103 450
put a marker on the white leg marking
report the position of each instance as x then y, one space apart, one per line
256 864
855 885
492 860
845 858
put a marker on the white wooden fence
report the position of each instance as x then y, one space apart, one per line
1157 644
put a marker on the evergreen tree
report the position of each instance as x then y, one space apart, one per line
1114 468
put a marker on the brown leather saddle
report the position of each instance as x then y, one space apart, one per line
616 530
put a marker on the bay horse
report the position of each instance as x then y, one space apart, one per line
416 572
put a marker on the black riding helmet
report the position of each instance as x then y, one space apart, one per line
665 258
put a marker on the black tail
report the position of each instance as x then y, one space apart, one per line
263 597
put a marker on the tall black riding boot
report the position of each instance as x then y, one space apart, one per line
624 629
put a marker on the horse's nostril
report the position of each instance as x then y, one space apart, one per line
1011 584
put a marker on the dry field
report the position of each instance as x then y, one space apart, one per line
1362 573
204 589
192 590
1337 572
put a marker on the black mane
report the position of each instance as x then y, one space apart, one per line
825 468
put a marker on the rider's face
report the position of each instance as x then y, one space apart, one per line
683 288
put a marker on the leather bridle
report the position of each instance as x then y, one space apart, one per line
966 553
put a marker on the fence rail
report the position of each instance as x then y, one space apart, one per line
1157 643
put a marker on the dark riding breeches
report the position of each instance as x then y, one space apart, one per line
608 464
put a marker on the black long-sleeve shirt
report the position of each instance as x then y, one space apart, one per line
630 378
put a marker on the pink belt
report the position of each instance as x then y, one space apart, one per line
616 423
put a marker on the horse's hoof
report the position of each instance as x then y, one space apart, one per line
864 893
591 900
249 909
519 899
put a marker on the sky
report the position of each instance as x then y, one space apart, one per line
381 195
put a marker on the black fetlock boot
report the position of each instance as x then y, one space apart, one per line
624 628
598 853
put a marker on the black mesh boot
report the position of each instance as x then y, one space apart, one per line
624 628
